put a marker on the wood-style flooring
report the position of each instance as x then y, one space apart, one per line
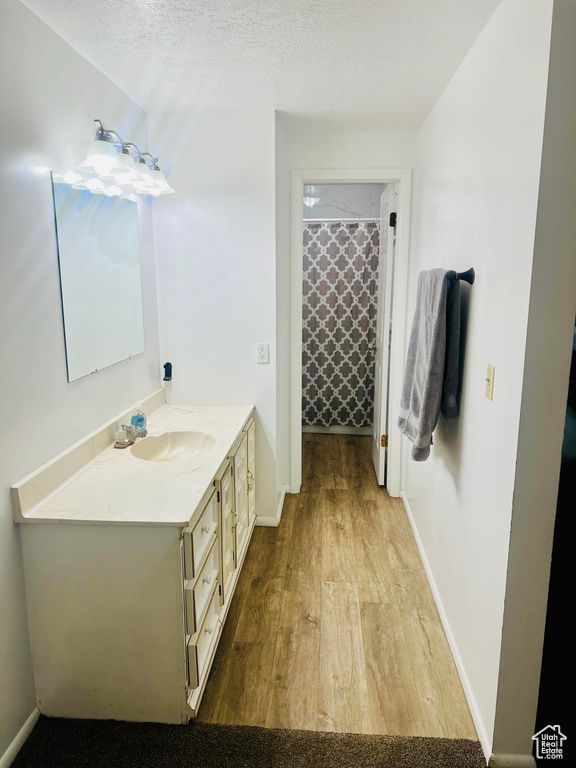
333 626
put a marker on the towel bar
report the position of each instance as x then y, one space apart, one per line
468 276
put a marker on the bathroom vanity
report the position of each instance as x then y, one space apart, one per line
131 560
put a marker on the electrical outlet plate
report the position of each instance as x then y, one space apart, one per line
262 353
490 382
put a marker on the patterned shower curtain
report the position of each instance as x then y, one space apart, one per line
340 288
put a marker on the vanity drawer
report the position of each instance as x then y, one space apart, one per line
199 592
201 644
199 539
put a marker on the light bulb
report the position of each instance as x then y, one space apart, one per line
130 175
71 177
102 160
91 185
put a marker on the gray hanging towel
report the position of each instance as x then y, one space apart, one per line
431 375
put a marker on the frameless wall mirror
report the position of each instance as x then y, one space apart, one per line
99 261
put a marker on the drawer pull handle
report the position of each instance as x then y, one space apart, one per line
205 529
208 580
209 630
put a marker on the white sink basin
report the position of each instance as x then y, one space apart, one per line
172 446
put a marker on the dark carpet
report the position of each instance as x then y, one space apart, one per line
63 743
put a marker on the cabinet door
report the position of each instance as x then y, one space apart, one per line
241 496
251 436
228 537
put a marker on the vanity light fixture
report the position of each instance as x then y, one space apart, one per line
160 179
100 189
92 185
155 183
146 181
133 178
102 158
70 177
130 176
110 158
112 191
151 191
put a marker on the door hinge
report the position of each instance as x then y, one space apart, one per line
234 555
218 497
393 218
384 441
220 590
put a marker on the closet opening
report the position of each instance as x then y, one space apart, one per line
343 351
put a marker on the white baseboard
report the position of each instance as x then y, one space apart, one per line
336 430
267 522
274 522
512 761
485 741
10 754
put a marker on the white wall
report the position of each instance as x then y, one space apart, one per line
50 96
304 146
282 264
215 245
476 202
543 407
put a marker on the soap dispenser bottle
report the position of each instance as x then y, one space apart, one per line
138 421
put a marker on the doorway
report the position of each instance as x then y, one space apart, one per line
349 259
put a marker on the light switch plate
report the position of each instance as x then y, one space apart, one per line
262 353
490 382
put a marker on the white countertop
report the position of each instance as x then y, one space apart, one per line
117 487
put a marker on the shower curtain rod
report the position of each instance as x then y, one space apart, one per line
355 218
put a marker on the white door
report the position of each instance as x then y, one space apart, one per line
383 332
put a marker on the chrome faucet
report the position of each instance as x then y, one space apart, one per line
125 436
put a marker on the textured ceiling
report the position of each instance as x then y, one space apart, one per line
378 64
